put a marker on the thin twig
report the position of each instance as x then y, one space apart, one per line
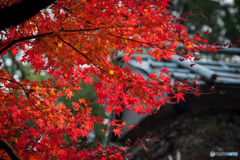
80 53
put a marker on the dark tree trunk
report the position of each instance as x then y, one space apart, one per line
13 15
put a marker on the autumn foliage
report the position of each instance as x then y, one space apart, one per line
86 32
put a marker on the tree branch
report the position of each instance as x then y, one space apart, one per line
39 36
5 146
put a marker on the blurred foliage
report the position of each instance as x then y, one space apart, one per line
24 71
223 20
228 58
20 71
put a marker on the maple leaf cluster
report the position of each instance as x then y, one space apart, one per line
78 33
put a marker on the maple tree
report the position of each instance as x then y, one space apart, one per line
86 32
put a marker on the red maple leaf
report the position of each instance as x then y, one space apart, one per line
216 43
181 59
206 33
191 65
161 76
196 58
117 109
88 80
138 109
127 57
85 143
139 59
212 88
99 119
223 92
131 127
195 77
109 109
197 34
197 39
165 70
179 96
14 51
117 131
124 123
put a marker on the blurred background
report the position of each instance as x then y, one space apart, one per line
222 21
222 18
